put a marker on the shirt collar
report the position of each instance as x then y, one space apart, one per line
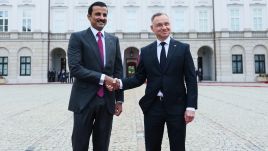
166 41
95 31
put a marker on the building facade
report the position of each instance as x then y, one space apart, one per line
228 38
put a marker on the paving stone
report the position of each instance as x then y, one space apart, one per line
231 117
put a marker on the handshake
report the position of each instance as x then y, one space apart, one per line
111 84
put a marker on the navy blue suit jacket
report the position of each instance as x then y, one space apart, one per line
178 79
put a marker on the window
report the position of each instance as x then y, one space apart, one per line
3 66
110 27
26 21
25 65
178 21
203 20
235 20
81 18
259 63
257 19
131 20
237 64
59 21
3 21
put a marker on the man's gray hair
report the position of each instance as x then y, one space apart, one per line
157 14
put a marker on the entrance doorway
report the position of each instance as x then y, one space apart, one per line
58 63
131 56
205 63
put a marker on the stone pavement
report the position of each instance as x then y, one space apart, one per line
231 117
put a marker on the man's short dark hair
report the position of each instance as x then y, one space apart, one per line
90 9
156 15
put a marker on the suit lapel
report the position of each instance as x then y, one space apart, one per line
154 52
108 51
92 41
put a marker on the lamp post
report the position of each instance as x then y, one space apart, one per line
48 37
214 39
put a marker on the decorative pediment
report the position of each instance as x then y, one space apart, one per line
155 3
235 2
58 3
26 3
134 3
82 3
180 3
257 2
203 3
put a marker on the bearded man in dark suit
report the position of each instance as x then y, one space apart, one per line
94 60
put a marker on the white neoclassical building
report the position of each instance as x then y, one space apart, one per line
228 38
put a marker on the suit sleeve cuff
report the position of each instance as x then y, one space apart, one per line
121 84
102 79
190 109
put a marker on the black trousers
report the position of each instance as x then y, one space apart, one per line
154 122
95 119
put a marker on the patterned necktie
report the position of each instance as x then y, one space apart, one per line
100 92
163 57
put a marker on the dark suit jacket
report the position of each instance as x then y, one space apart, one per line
178 79
85 65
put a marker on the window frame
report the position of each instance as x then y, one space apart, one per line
26 24
4 64
257 18
258 62
24 64
203 20
4 20
236 62
235 19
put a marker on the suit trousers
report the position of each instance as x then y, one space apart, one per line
95 118
154 122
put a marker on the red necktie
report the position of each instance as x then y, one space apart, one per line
100 45
100 92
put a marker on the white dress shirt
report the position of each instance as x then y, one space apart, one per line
95 32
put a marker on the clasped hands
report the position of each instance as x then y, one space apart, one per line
111 84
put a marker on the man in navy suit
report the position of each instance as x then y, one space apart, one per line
171 92
94 58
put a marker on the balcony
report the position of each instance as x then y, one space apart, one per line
5 36
58 36
131 35
236 34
